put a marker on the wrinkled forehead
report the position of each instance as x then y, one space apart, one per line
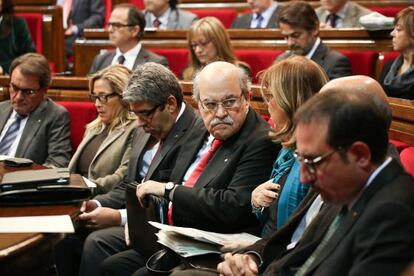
220 87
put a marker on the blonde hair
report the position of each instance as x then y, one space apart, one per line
291 82
117 77
214 31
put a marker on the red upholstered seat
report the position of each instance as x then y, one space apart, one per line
226 16
81 113
108 10
257 59
177 58
362 62
138 3
34 22
407 159
390 11
386 57
398 144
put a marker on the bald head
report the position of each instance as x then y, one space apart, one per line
355 83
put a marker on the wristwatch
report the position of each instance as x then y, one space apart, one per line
168 188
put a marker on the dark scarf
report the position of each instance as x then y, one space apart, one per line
400 86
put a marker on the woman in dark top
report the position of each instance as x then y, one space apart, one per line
15 39
397 77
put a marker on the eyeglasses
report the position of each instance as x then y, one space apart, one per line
147 114
201 44
25 91
117 25
227 104
311 164
103 98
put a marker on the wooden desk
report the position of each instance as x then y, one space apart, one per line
30 253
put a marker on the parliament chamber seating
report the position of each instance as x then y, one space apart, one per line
35 24
81 113
407 159
389 11
362 62
177 58
138 3
226 16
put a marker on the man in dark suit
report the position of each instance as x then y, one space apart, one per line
155 96
264 15
32 125
126 28
164 14
340 14
300 27
365 227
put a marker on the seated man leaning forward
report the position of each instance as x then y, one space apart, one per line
32 125
299 25
219 167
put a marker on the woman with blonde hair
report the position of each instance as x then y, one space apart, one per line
103 154
209 41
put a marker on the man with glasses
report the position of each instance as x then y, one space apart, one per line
365 226
126 28
299 25
222 162
32 125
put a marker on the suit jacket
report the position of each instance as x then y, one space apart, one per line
178 19
104 60
374 238
352 14
160 168
243 21
46 136
87 14
335 64
220 199
110 163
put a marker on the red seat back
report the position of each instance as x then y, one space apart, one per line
81 113
177 58
390 11
226 16
362 62
257 59
386 57
108 10
35 24
407 159
138 3
398 144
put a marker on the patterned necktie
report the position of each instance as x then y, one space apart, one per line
331 230
121 59
332 18
156 23
259 19
197 171
10 136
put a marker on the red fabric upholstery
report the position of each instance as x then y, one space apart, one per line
226 16
108 10
390 11
35 24
398 144
138 3
407 159
177 58
81 113
257 59
388 56
362 62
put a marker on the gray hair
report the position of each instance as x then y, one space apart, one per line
153 83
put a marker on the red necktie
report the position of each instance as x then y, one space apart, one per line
198 171
156 23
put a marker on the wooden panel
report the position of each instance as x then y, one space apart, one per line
33 2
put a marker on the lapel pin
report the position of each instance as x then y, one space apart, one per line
354 214
225 160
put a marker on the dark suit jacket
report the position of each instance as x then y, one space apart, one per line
374 238
87 14
243 21
104 60
160 168
178 19
220 199
46 136
335 64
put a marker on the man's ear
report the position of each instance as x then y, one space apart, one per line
361 152
136 29
172 104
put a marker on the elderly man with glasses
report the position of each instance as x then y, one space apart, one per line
126 28
33 126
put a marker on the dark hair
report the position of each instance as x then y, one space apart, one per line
173 4
153 83
33 64
7 11
135 17
351 116
299 14
406 18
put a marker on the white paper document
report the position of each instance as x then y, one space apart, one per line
37 224
89 183
189 242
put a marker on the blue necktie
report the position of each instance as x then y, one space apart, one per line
10 136
259 19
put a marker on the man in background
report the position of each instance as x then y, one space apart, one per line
263 15
164 14
340 14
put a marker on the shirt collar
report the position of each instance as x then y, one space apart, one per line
269 11
182 108
312 51
163 18
131 54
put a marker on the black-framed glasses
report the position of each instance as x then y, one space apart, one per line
25 91
117 25
147 114
103 98
201 44
311 164
227 104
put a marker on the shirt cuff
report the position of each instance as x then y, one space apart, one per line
259 258
97 203
75 29
124 217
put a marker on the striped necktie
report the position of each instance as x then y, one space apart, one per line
10 136
259 19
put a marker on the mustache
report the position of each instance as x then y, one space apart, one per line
226 120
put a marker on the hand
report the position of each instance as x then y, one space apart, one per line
149 188
238 264
265 194
229 246
88 206
101 217
126 232
69 31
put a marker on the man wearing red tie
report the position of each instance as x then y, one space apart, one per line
215 173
